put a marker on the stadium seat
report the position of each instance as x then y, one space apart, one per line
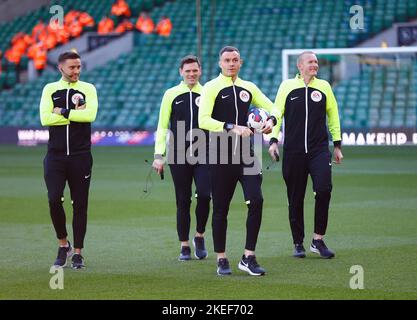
139 79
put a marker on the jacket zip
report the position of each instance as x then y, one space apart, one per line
306 121
237 115
68 149
191 124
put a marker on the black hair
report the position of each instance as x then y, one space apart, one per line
189 59
228 49
68 55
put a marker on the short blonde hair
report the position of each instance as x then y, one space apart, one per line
300 56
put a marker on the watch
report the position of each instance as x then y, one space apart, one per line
273 140
228 126
274 120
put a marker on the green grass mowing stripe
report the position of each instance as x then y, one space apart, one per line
382 271
131 245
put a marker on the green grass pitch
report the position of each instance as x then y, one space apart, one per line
131 245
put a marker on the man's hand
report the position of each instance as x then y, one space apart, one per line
274 151
158 165
268 126
57 110
77 107
242 131
338 156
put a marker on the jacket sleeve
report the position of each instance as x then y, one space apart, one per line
333 120
46 106
280 107
262 101
90 112
163 124
207 100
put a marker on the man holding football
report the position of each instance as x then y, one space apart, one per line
224 106
305 102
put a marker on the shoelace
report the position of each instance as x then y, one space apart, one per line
224 263
199 242
185 250
252 261
62 252
77 258
320 243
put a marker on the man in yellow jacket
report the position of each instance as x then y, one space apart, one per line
179 113
224 105
68 107
309 108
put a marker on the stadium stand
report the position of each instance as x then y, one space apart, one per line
381 96
131 87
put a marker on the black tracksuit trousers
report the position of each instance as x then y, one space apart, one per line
76 169
224 178
183 175
295 170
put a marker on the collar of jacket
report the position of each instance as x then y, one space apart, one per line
194 88
67 84
227 79
301 79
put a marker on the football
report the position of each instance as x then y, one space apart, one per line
256 118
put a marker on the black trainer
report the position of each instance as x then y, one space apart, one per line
299 251
77 261
185 254
251 266
200 251
63 254
223 267
319 247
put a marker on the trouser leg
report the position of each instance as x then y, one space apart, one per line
55 179
295 173
252 191
223 181
182 175
79 177
203 194
321 174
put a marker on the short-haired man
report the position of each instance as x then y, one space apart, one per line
68 107
305 102
225 102
179 112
